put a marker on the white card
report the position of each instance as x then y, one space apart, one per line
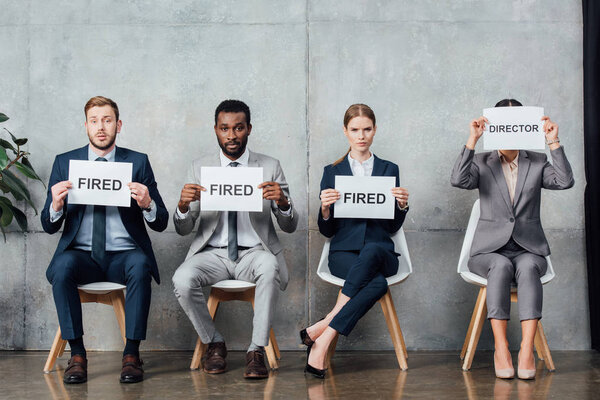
514 128
231 189
365 197
100 183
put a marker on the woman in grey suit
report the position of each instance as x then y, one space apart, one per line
509 243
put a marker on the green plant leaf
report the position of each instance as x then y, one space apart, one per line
25 162
3 233
11 135
7 214
18 214
4 161
3 117
6 144
27 171
3 186
17 187
20 142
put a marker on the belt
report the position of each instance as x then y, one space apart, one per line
224 247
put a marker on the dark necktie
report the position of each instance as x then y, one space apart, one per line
232 243
99 230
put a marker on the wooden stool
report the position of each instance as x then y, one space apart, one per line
476 325
229 290
108 293
391 318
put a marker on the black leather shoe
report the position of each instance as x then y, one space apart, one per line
132 371
255 365
317 373
76 371
213 360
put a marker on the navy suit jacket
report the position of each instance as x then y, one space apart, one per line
132 216
352 233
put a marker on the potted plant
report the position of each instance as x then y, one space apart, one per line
13 159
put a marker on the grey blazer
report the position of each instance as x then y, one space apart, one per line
261 221
499 219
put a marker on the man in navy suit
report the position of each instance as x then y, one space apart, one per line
103 243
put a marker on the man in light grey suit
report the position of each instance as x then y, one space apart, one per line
234 245
509 243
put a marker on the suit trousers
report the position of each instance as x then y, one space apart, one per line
364 272
511 264
213 265
76 267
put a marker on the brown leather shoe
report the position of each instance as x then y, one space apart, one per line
213 360
76 371
132 371
255 365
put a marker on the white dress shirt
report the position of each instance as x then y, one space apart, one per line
247 236
361 169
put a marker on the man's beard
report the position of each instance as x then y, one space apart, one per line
240 150
105 146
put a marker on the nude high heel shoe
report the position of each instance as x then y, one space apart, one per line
525 373
503 373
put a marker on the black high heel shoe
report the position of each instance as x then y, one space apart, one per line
317 373
306 340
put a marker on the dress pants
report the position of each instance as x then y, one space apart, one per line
365 272
213 265
76 267
509 264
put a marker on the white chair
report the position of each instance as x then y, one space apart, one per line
387 303
108 293
228 290
479 313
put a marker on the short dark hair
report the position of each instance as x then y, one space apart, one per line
100 101
509 103
233 106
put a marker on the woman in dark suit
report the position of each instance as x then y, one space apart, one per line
361 250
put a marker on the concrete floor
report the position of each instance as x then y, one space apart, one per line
354 375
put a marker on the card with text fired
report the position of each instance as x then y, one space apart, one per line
231 189
100 183
514 128
365 197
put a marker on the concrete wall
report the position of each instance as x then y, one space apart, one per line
425 67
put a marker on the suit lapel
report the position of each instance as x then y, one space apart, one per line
493 162
343 168
524 163
121 155
378 167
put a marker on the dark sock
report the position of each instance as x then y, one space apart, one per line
132 347
77 347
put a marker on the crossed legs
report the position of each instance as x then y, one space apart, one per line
365 272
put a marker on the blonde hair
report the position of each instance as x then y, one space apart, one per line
356 110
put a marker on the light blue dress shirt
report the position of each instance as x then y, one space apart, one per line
117 237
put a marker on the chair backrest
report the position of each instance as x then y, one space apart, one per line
463 260
404 263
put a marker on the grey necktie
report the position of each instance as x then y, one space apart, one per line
99 230
232 243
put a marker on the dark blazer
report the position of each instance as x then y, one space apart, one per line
500 219
132 216
352 233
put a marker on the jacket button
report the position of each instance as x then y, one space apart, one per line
512 220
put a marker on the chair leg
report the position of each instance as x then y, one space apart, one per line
480 311
545 348
393 307
274 344
539 348
54 351
387 305
271 355
118 303
331 351
470 330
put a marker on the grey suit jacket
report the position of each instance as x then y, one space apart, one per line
499 219
261 221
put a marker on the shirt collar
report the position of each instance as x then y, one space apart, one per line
242 160
365 164
502 159
110 157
